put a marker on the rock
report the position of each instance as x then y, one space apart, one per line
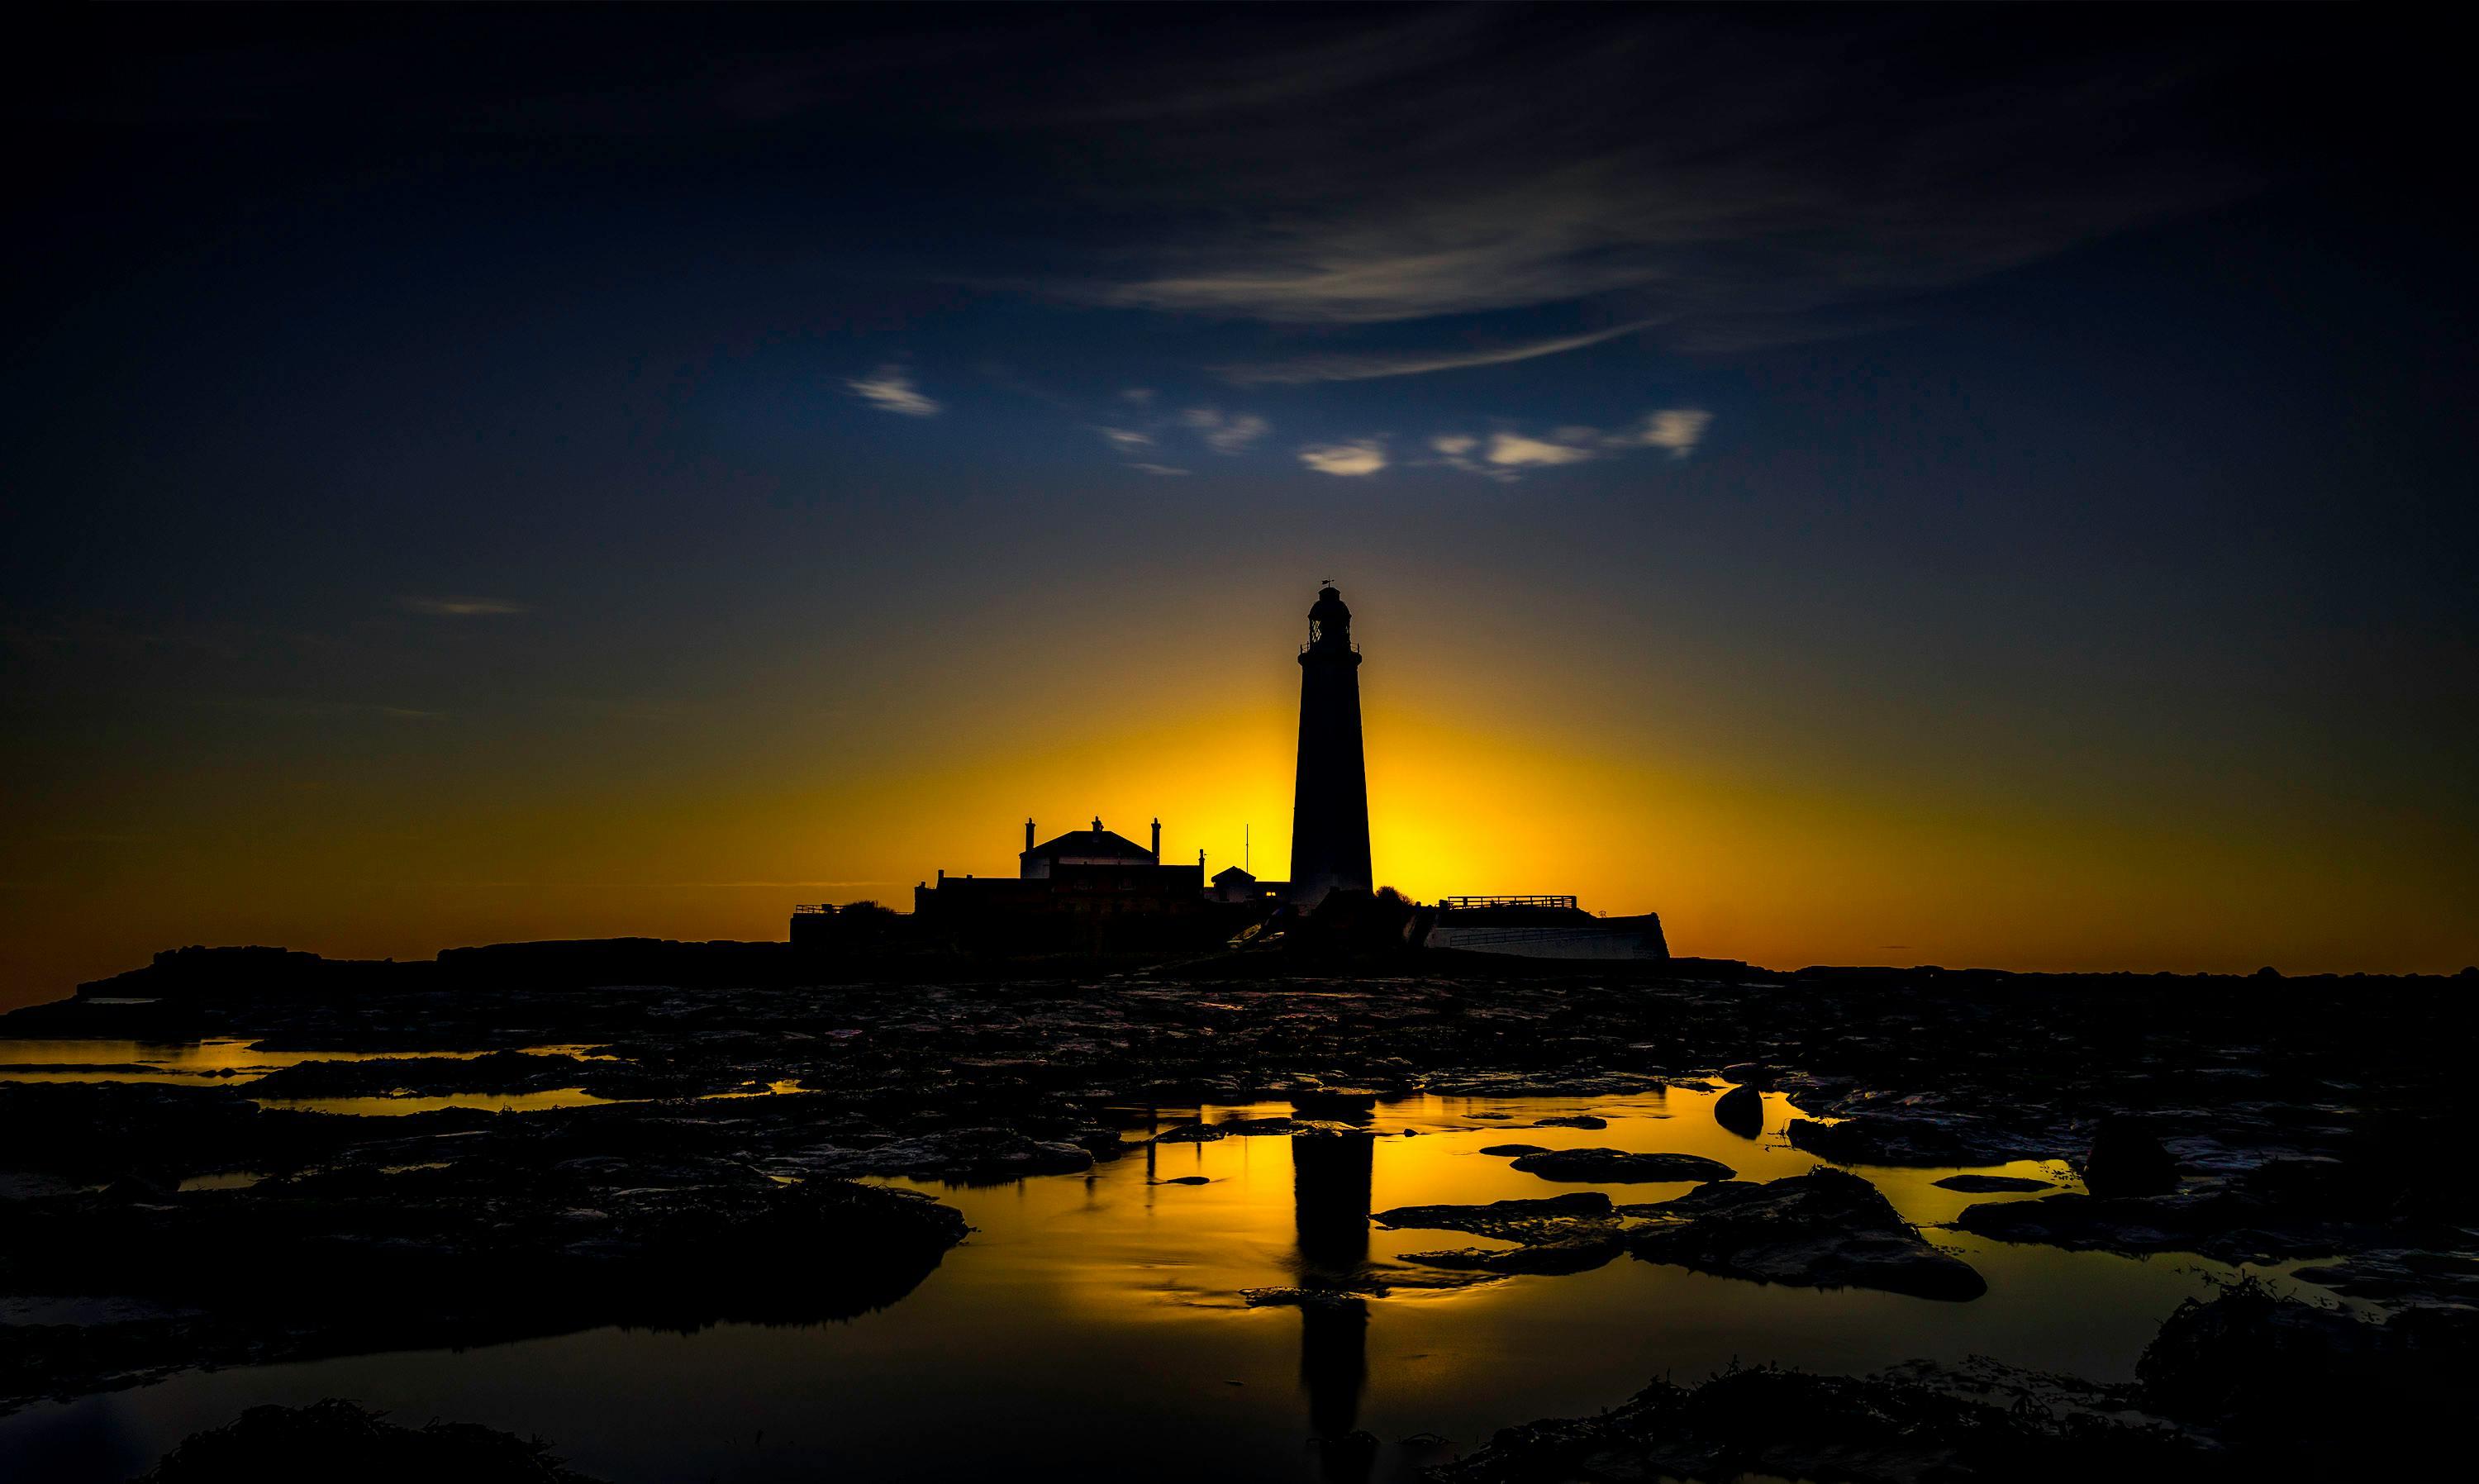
1741 1111
1557 1234
1617 1166
1510 1220
1571 1121
1913 1137
2126 1160
1333 1299
337 1440
974 1156
2310 1386
1913 1424
1191 1133
1514 1151
1824 1229
1334 1103
2399 1277
1981 1185
1184 1180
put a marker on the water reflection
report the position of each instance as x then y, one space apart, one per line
1331 1174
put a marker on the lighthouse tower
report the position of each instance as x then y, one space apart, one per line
1330 798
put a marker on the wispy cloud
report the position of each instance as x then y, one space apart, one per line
1718 179
890 389
1504 454
1127 440
1225 432
1158 469
1363 457
464 607
1675 429
1514 451
1370 368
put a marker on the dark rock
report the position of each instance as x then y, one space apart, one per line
1741 1111
2126 1160
1824 1229
498 1071
1511 1220
1985 1185
2399 1277
1514 1151
1557 1234
1617 1166
1184 1180
2306 1387
1348 1103
1917 1424
1191 1133
336 1440
970 1156
1571 1121
1913 1137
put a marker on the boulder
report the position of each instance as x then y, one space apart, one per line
1987 1185
1741 1111
1824 1228
1617 1166
2126 1160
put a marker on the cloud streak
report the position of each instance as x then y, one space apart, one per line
1224 434
1727 181
1372 366
1361 456
890 389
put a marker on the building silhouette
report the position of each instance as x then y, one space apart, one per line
1330 792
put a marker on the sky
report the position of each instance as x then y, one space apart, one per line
1955 485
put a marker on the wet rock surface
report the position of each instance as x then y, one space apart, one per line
526 1228
1990 1185
2243 1386
337 1440
1824 1229
1617 1166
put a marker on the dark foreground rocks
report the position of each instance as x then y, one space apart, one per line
1558 1234
1824 1229
1990 1185
1617 1166
335 1440
532 1229
2244 1386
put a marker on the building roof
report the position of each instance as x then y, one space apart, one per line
1231 874
1092 844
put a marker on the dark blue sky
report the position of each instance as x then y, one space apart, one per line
2060 414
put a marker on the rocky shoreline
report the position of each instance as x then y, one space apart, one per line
2232 1118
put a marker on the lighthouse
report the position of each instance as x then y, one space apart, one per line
1330 794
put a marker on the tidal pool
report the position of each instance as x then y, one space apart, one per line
1093 1326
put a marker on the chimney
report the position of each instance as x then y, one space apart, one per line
1028 834
1156 842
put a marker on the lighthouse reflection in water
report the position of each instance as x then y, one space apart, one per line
1330 1185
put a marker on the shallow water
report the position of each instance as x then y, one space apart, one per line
1092 1326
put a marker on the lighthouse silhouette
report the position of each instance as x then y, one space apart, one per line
1330 797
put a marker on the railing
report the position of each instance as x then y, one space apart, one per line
1466 904
813 909
1352 645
